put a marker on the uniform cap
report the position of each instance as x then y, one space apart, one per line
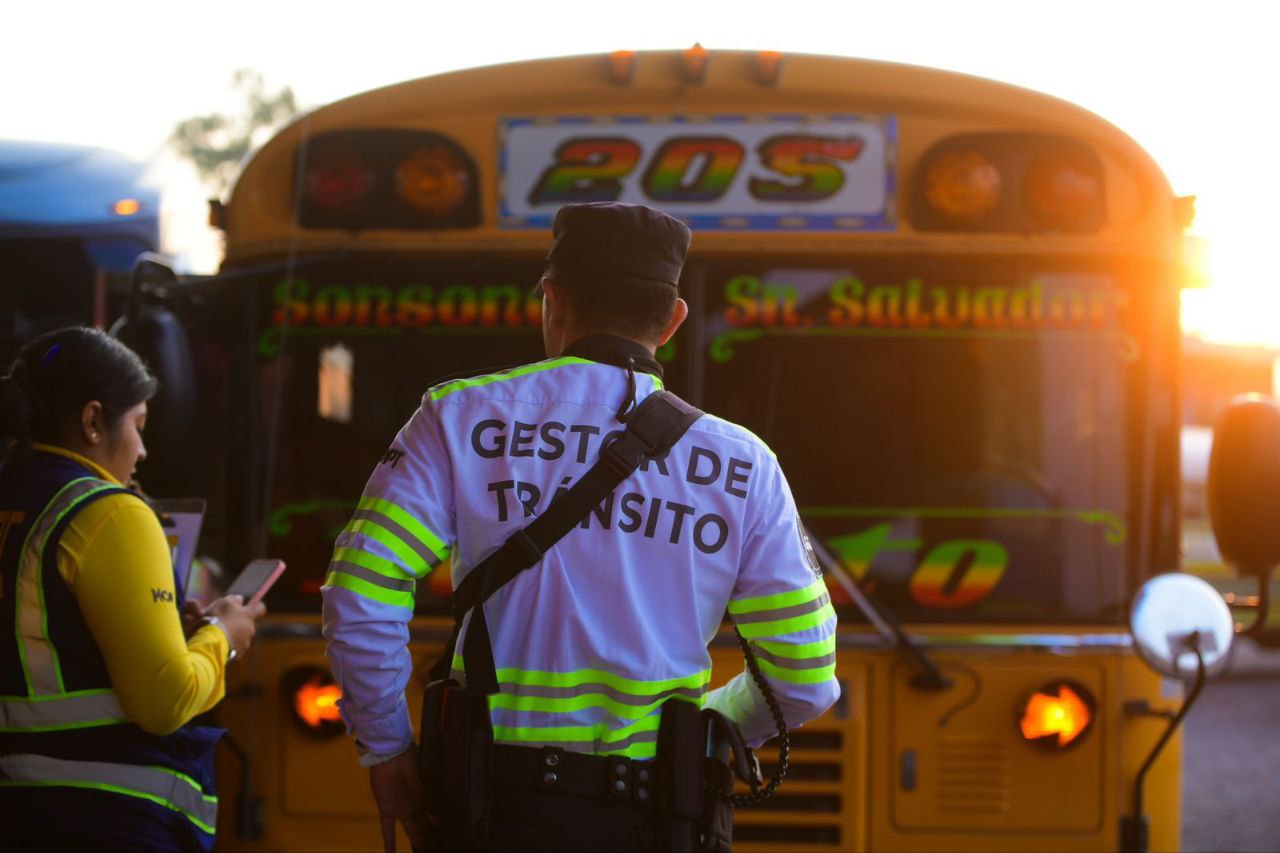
622 239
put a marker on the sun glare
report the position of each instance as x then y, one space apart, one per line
1240 302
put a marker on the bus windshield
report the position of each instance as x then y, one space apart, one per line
955 432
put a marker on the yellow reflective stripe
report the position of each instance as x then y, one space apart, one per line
162 786
428 540
403 550
373 562
569 704
637 740
442 391
814 675
791 625
799 651
366 589
80 710
579 677
779 600
39 658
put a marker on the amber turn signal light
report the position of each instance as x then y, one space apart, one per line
1057 715
963 185
315 700
434 180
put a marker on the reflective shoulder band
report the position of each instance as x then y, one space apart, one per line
159 785
68 711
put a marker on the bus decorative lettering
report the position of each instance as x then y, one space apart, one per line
954 573
807 158
586 169
959 573
916 305
752 303
693 168
299 305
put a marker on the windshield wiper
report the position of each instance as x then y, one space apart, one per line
927 675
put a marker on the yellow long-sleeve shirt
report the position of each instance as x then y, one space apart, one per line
114 557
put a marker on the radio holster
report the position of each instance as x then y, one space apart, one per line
456 733
700 754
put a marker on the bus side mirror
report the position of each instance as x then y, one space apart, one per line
157 335
1243 490
1177 618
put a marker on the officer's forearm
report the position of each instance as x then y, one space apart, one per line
370 661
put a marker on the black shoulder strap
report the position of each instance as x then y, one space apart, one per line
653 429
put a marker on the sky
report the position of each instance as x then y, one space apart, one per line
1194 84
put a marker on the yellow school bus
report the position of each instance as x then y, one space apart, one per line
949 305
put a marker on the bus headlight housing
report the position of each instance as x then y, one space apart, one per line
359 180
1057 715
1020 183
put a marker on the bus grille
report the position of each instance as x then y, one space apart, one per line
807 811
973 776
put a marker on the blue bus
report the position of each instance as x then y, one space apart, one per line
72 220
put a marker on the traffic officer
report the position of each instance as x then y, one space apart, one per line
614 619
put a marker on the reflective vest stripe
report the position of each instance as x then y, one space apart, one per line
39 658
637 740
389 535
360 569
537 696
441 391
159 785
801 663
365 589
417 535
80 710
791 621
778 601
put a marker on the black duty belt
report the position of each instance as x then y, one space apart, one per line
554 770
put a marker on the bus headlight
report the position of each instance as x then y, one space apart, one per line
963 185
391 178
1057 715
314 697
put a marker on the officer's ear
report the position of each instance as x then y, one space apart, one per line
678 315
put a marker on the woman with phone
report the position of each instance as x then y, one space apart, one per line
101 668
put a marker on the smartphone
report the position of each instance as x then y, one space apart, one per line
256 579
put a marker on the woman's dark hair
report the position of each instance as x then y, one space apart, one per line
56 374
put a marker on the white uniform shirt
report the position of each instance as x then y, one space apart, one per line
616 617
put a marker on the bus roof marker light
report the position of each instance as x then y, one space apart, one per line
693 63
963 185
768 67
1057 715
622 67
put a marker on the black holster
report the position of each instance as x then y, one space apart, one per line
699 754
456 758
